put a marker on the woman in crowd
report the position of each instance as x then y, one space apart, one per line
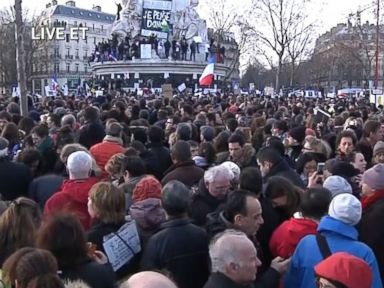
284 195
63 235
306 165
32 268
18 225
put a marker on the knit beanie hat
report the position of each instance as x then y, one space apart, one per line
79 162
337 185
346 269
374 177
343 169
147 187
345 208
298 133
379 148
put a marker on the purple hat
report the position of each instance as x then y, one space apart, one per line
374 177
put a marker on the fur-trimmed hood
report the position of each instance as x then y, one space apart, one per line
247 159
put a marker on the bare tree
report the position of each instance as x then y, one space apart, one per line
277 24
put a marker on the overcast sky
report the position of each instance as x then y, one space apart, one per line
330 13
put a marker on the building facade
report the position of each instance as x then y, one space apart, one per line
344 57
68 60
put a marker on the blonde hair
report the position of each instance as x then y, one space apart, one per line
115 164
108 201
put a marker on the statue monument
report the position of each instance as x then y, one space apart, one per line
184 22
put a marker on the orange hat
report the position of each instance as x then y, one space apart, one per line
147 187
346 269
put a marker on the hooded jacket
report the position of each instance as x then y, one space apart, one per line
186 172
286 237
248 158
340 237
72 197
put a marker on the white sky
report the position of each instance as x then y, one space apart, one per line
329 13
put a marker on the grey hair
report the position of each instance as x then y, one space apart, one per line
175 197
220 170
222 252
68 119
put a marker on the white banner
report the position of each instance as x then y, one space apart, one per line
157 4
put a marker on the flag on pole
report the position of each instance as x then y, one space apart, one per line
54 83
207 77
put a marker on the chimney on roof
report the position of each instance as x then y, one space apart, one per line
70 3
96 8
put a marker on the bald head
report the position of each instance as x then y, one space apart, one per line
148 279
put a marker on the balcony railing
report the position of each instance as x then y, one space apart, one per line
68 56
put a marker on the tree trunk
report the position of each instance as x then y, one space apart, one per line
278 71
20 58
292 74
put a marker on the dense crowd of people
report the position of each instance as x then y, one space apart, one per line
192 192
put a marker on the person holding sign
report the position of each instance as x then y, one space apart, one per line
106 205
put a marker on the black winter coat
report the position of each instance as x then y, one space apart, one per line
202 204
90 134
282 169
42 188
181 248
14 180
163 158
372 233
92 273
186 172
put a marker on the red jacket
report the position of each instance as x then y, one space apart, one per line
72 197
103 151
286 237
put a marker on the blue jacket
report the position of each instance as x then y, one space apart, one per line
341 237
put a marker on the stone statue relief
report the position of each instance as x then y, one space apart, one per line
128 22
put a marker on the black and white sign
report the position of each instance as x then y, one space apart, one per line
157 18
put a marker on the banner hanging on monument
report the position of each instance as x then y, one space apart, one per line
157 18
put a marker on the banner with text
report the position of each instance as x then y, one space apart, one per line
157 18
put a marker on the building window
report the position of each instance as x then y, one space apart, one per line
93 26
94 40
77 68
57 68
74 23
68 49
85 68
68 67
67 38
41 67
102 27
77 52
86 39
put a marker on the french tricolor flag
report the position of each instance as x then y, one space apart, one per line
207 77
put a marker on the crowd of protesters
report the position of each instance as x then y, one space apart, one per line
173 49
223 191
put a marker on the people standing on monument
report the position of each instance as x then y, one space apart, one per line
193 51
167 47
184 49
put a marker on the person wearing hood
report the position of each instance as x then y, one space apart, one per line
92 132
343 270
111 145
371 232
73 194
239 152
179 247
314 205
336 233
146 208
272 164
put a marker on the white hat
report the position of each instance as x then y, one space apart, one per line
337 185
79 162
345 208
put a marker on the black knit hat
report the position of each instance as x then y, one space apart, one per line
297 133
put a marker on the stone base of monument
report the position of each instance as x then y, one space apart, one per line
134 74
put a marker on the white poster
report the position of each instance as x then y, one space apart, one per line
145 51
122 246
181 87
